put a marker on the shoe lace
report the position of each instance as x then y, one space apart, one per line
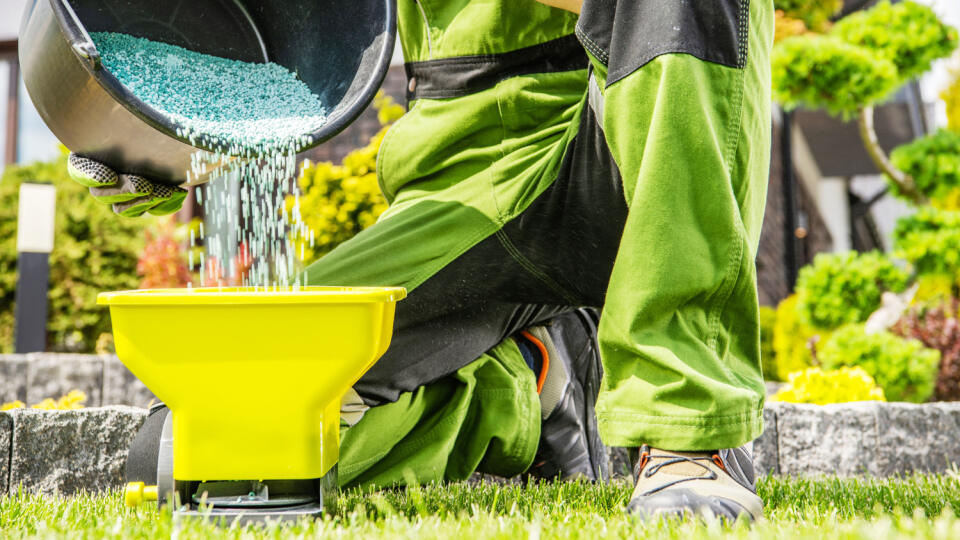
673 459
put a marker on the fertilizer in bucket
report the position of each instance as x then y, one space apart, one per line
257 112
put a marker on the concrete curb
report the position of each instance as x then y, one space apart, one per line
870 438
66 451
106 381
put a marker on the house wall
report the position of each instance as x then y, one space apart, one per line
771 274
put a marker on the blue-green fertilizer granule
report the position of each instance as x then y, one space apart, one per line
237 107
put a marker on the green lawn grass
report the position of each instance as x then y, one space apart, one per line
922 506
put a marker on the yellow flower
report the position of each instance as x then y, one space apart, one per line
17 404
47 404
813 385
339 201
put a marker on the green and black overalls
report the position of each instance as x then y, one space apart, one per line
616 160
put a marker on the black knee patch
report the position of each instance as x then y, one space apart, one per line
626 34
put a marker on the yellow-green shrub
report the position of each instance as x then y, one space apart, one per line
768 358
813 385
791 340
842 288
904 368
952 97
339 201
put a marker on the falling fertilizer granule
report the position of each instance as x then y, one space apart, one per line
257 112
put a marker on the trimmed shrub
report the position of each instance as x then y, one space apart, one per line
841 288
904 368
861 60
792 340
933 161
908 34
768 357
813 385
930 241
828 73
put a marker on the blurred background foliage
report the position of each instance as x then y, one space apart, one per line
860 60
892 317
94 251
338 201
841 288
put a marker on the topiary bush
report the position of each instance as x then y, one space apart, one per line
828 73
933 161
813 385
930 241
906 33
768 357
904 368
94 251
925 220
841 288
861 60
792 340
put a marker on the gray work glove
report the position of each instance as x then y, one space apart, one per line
130 195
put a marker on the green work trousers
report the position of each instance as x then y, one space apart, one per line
616 160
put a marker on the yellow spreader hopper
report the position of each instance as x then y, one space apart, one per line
253 381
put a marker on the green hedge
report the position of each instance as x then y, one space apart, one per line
904 368
94 251
930 241
861 60
933 161
841 288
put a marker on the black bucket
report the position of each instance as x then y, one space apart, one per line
341 49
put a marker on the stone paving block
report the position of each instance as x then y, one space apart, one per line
922 438
120 387
832 439
765 454
53 375
70 451
13 377
6 426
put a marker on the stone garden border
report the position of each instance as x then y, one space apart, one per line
36 376
69 451
874 438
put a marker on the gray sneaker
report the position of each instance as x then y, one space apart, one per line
695 484
570 445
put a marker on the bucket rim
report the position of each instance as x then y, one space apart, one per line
251 296
85 51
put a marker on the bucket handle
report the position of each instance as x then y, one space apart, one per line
80 41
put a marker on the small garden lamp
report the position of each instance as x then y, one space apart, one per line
34 243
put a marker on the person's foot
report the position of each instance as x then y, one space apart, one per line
565 356
695 484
